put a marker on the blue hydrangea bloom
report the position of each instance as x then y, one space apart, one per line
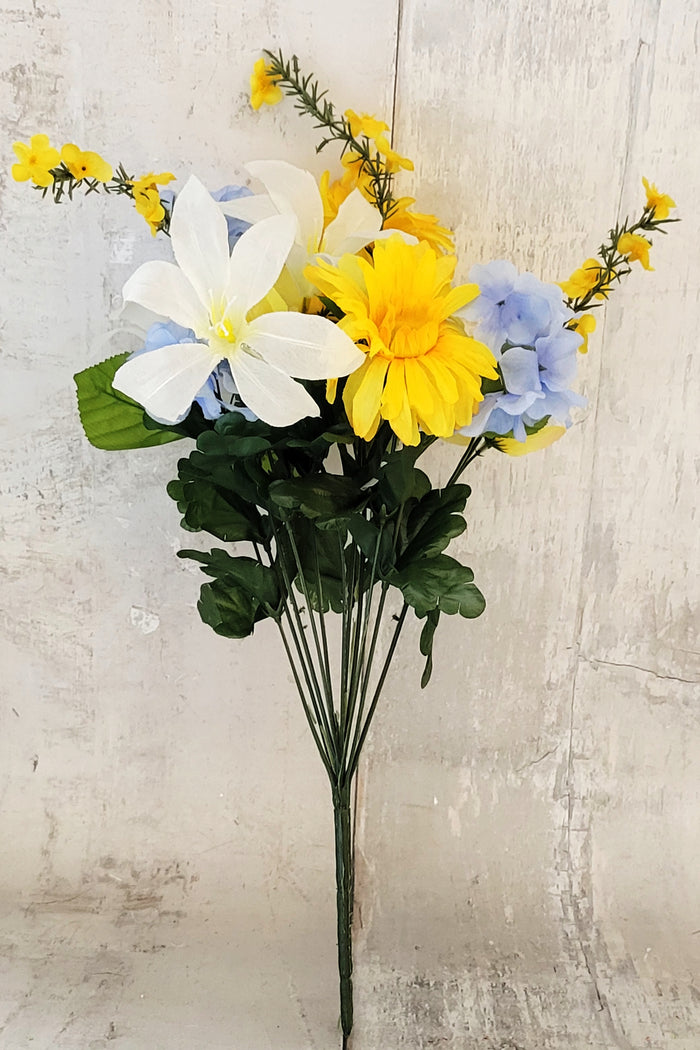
235 226
522 320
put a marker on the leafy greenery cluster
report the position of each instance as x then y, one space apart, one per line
314 521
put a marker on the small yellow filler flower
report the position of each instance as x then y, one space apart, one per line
263 86
584 325
421 370
636 248
660 202
35 161
147 198
392 160
84 164
583 279
364 125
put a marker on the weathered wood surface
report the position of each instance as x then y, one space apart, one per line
528 840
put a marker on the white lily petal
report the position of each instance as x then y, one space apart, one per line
250 209
257 260
356 216
293 191
408 238
304 345
166 381
162 288
199 235
269 393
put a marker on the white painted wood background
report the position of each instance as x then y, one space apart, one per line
528 847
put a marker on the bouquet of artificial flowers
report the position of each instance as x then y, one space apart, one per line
310 338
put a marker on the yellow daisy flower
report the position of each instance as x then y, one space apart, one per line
85 164
423 227
35 161
421 371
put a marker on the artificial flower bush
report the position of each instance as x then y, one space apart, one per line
311 338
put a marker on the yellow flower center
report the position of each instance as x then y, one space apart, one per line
221 327
407 331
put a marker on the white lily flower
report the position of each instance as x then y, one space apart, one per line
212 294
293 191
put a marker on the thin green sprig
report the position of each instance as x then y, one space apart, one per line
615 264
312 100
65 185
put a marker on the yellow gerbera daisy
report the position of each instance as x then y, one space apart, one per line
421 369
422 227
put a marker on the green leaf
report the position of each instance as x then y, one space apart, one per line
434 521
426 644
217 511
439 583
259 581
111 420
227 608
400 480
320 497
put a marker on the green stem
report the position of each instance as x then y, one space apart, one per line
344 894
357 748
330 715
472 450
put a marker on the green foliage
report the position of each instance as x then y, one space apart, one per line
433 521
111 420
324 498
440 583
243 592
427 635
321 535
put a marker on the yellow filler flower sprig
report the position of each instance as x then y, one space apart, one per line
62 173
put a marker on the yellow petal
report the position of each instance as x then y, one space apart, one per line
532 443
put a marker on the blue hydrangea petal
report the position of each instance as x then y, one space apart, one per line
525 317
496 279
479 421
236 227
520 370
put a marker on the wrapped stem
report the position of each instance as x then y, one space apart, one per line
344 898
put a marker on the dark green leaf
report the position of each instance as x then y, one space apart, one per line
111 420
400 480
433 522
440 583
260 581
227 608
426 644
320 497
